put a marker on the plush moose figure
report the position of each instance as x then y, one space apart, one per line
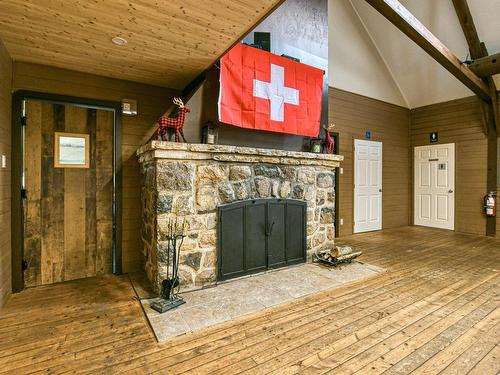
176 124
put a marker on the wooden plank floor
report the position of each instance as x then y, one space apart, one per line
436 310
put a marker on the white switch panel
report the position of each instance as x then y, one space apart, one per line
4 161
341 221
341 170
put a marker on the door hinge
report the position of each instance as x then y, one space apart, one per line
23 121
24 265
24 193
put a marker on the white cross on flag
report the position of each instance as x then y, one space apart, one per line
260 90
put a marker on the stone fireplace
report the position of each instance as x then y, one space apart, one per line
191 181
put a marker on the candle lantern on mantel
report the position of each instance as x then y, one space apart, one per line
316 145
210 133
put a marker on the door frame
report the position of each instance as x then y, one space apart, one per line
336 151
17 164
414 181
354 159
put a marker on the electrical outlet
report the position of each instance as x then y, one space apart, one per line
341 221
4 161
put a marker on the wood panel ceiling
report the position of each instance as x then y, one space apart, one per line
169 42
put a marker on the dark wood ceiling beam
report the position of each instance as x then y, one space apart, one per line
491 116
400 17
468 27
486 66
494 103
478 51
491 106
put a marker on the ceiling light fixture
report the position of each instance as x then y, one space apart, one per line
119 41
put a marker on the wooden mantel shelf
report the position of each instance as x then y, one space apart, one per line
223 153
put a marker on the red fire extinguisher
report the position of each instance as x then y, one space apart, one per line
490 204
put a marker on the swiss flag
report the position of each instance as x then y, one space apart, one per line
260 90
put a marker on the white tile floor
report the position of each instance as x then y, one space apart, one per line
233 299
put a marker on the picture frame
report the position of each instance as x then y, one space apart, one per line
71 150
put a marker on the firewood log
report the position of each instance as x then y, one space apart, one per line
350 256
341 250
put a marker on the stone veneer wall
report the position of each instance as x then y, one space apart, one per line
189 181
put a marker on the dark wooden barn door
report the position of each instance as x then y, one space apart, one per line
68 211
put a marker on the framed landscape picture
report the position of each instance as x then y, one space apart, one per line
71 150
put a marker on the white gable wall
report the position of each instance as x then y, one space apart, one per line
371 57
423 80
355 65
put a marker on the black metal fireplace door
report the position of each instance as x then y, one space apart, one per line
255 235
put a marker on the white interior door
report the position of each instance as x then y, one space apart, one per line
434 186
367 186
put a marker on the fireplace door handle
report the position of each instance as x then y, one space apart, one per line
269 230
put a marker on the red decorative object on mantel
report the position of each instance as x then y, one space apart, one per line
177 124
329 141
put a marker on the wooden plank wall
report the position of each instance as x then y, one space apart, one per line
460 122
354 114
152 103
5 149
498 183
498 208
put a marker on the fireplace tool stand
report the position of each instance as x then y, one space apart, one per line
169 294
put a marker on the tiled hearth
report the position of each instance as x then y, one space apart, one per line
234 299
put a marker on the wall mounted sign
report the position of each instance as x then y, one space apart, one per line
433 137
368 134
129 107
71 150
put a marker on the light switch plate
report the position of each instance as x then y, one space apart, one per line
341 221
341 170
4 161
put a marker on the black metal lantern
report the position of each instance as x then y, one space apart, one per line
210 133
316 145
